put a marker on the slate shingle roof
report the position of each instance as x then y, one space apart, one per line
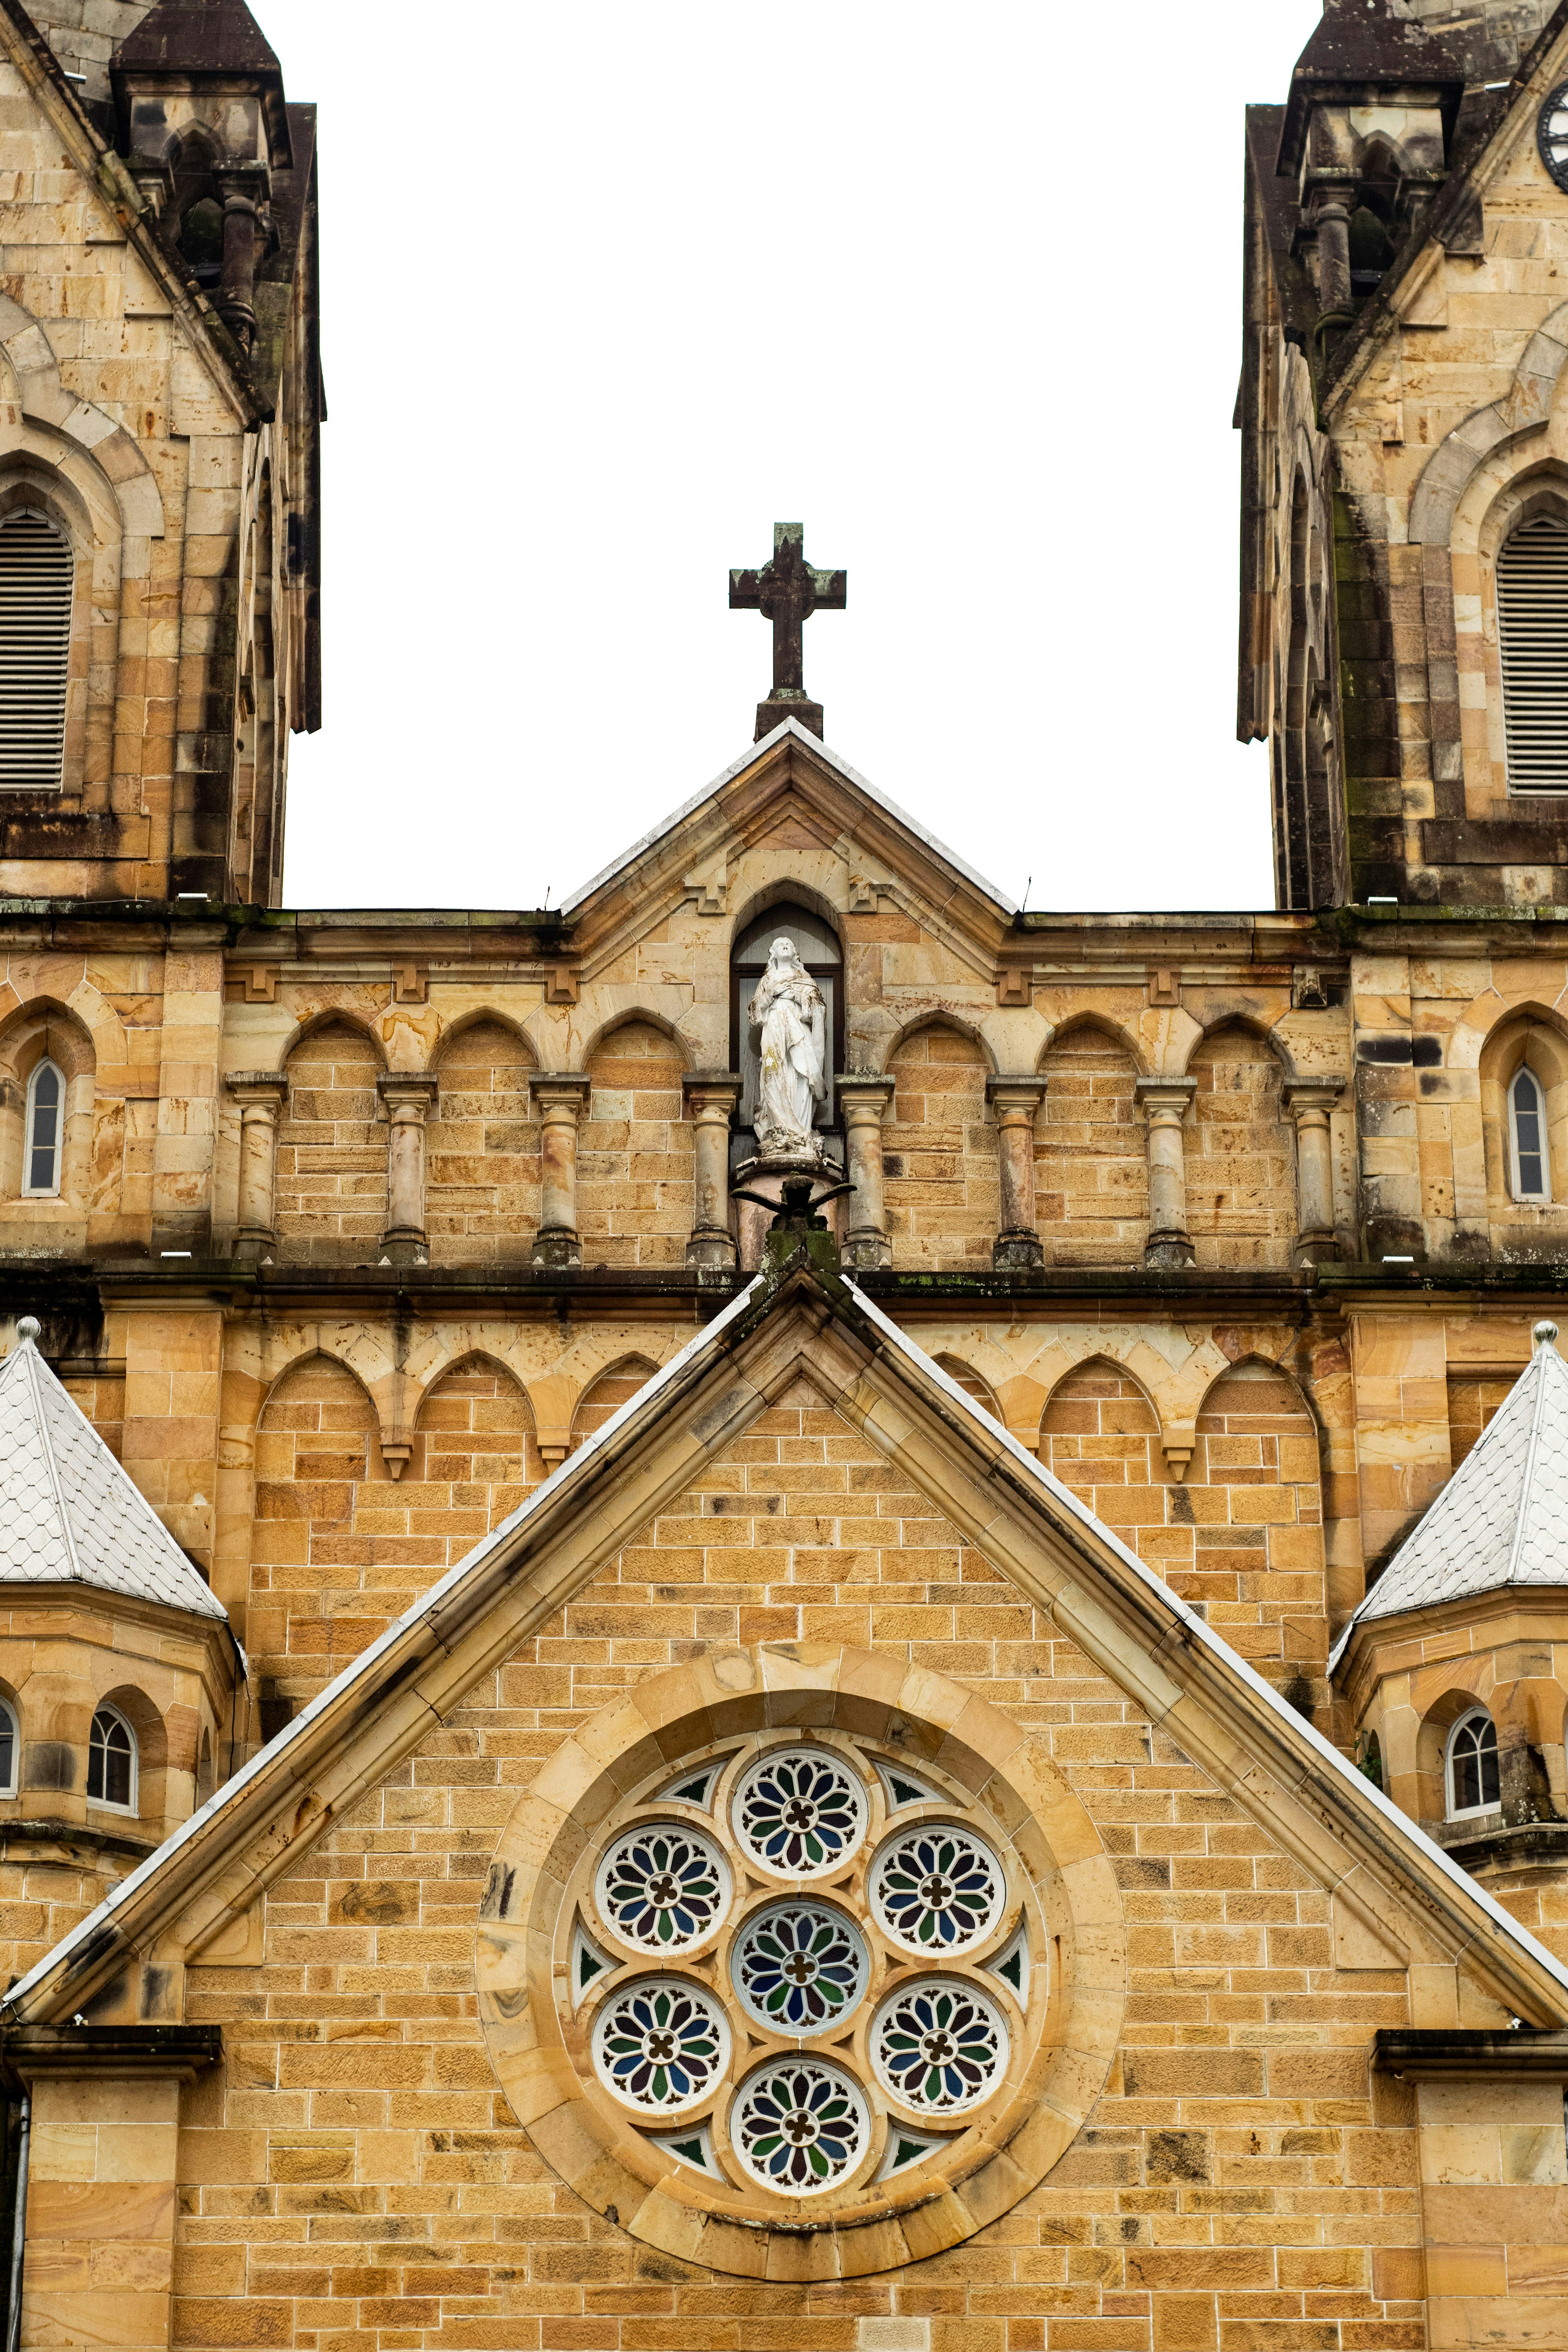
1502 1518
68 1513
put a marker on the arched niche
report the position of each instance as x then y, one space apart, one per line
818 946
330 1186
1258 1559
1529 1038
45 1031
616 1386
475 1456
481 1147
327 1522
979 1391
1091 1152
634 1151
938 1153
1240 1153
1101 1435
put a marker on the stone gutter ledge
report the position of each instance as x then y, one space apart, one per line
1442 2057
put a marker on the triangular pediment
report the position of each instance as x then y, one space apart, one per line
789 791
918 1431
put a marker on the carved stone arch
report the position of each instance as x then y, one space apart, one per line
788 890
1266 1032
474 1436
1101 1435
314 1351
44 397
327 1016
1104 1024
329 1200
1527 1032
961 1024
1526 405
480 1016
627 1016
975 1386
609 1389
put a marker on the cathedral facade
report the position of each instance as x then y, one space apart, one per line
786 1608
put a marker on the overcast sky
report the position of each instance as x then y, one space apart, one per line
610 288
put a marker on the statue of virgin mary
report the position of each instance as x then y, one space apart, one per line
789 1019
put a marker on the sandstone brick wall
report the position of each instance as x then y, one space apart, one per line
1092 1168
352 2176
1241 1167
341 1549
940 1147
604 1396
1472 1401
1239 1535
331 1151
635 1154
482 1150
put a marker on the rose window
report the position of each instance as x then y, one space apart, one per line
800 1812
744 1972
799 1966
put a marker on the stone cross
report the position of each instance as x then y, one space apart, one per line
787 592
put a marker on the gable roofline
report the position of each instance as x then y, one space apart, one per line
1233 1723
1381 316
26 48
789 730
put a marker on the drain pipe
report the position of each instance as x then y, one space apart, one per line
18 2235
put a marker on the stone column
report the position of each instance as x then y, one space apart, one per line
409 1096
1016 1103
561 1097
1309 1102
1329 208
712 1097
260 1095
864 1101
1165 1101
243 190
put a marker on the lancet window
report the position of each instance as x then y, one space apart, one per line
36 582
1530 1167
1532 642
46 1120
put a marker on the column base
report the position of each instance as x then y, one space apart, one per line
712 1248
1315 1249
866 1252
1169 1249
556 1246
251 1248
1018 1254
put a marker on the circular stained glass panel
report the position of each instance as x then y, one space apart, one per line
663 1888
799 1967
937 1889
799 2126
799 1811
939 2045
661 2045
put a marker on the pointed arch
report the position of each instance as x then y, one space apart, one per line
1240 1149
330 1195
634 1147
1091 1163
482 1144
974 1386
1099 1434
475 1453
43 1034
941 1190
607 1392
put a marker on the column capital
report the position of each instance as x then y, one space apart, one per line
399 1086
1165 1094
1024 1093
270 1087
865 1089
711 1089
560 1089
1312 1094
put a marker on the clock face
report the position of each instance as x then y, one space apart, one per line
1552 134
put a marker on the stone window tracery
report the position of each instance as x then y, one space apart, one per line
804 2030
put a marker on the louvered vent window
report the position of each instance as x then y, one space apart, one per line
35 649
1532 633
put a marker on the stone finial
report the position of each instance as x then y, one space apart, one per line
1543 1336
30 1330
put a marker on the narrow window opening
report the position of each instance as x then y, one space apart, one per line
36 580
112 1761
9 1746
1526 1139
1533 641
46 1105
1475 1784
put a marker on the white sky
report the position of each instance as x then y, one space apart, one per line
608 288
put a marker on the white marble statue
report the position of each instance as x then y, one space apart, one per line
789 1014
